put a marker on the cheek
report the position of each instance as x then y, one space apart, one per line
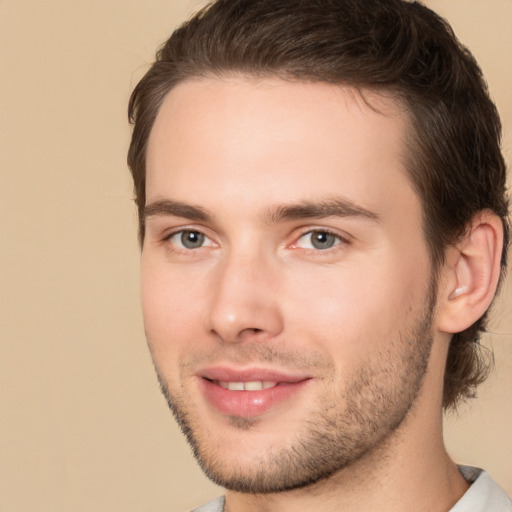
172 309
351 311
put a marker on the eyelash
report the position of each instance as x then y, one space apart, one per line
168 238
339 240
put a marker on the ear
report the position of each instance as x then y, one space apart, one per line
470 275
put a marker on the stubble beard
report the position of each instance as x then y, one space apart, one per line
375 402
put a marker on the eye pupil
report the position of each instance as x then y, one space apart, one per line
322 240
192 239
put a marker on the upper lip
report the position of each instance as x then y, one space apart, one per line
227 374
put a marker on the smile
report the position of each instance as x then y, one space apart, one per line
249 393
256 385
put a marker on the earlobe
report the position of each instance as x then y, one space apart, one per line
471 274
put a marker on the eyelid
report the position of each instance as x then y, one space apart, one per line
343 238
172 232
178 228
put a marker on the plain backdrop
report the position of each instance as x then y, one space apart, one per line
82 424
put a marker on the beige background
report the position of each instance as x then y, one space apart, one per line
82 423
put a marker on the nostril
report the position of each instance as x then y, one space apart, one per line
234 319
249 332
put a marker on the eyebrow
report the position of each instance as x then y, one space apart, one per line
334 207
171 208
337 207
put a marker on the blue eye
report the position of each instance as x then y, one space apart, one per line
318 240
190 239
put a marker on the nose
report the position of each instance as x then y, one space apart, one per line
244 301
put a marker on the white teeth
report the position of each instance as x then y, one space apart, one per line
257 385
253 386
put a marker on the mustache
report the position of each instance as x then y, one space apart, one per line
248 353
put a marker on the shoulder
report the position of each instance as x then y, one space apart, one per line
216 505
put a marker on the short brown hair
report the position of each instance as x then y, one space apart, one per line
392 46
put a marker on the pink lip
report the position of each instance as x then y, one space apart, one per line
248 403
225 373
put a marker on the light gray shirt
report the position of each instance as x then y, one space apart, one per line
484 495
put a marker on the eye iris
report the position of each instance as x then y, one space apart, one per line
322 240
192 239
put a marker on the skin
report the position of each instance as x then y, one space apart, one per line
355 318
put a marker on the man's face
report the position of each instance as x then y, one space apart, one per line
286 284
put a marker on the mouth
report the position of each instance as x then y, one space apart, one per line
249 393
255 385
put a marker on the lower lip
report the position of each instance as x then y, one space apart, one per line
248 404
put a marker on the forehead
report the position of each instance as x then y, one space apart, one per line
276 140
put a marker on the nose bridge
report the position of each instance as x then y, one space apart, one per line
243 298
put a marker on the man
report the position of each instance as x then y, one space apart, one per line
323 221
